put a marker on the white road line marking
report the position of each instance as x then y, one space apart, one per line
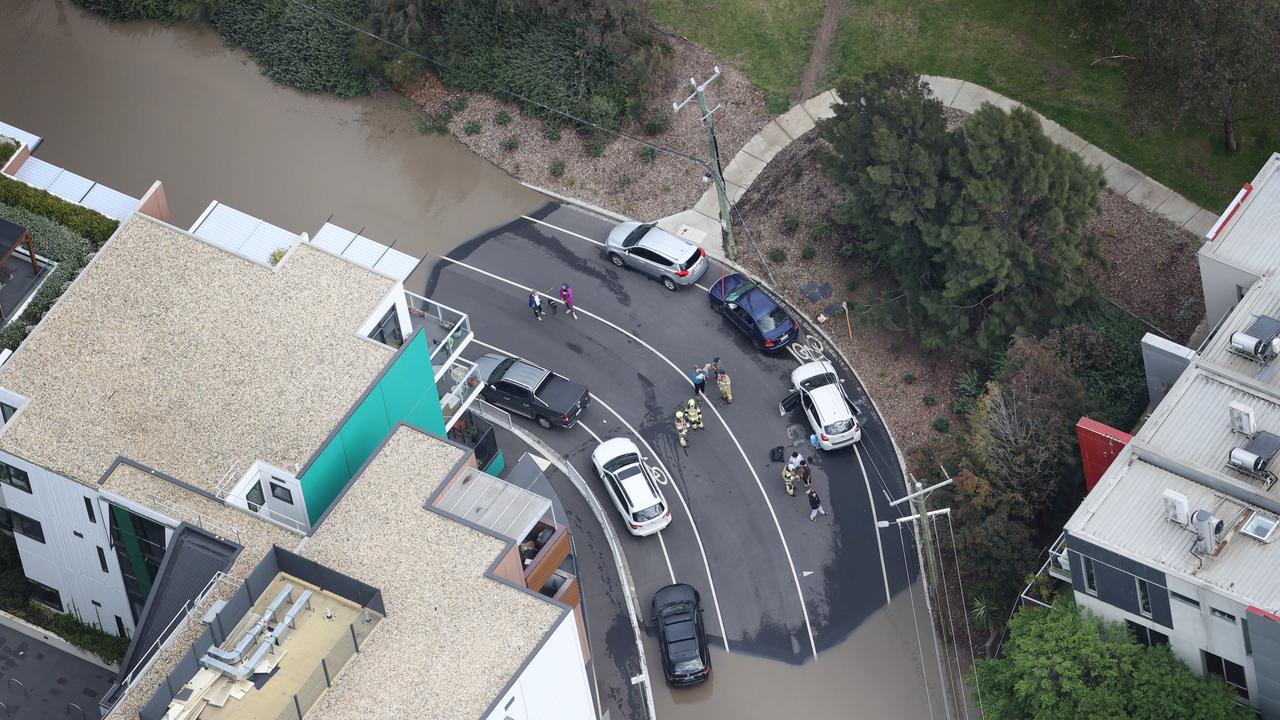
662 543
715 600
589 431
804 608
875 523
567 232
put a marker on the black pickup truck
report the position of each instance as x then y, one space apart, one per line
521 387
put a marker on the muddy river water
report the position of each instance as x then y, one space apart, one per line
126 104
129 103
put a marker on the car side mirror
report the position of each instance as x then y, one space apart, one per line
733 306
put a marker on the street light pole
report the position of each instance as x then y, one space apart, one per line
717 173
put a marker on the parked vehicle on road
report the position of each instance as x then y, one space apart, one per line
634 493
682 640
819 392
670 259
526 389
753 312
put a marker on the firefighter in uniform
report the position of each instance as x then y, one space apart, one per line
682 429
694 413
789 479
726 387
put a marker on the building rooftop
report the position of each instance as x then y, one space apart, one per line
1248 239
1261 301
453 637
1125 512
189 359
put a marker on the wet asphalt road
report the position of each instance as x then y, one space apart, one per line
723 522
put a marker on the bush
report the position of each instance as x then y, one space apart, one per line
852 285
472 127
511 144
664 187
595 147
502 118
436 123
968 385
778 103
80 220
964 406
625 180
797 171
941 424
7 149
819 232
909 378
105 645
866 270
648 155
930 400
58 243
552 130
557 168
1104 347
459 103
778 255
809 253
655 125
790 224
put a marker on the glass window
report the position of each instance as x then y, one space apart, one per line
387 330
23 525
45 595
120 627
1090 579
102 560
255 497
281 493
1231 672
1222 615
88 509
17 477
7 411
1144 597
1184 599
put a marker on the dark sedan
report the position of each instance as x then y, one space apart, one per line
753 312
682 641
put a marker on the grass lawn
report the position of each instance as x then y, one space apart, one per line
1024 49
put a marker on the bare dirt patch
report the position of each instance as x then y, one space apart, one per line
621 179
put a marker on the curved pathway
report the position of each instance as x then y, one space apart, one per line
701 223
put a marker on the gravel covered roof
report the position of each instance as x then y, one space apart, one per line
452 637
187 358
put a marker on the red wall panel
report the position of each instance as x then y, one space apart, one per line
1099 445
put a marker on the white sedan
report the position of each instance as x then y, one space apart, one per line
818 391
634 493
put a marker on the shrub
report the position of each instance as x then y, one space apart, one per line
552 130
80 220
930 400
625 180
963 406
790 224
847 249
968 385
655 125
664 187
852 285
895 347
7 149
778 255
595 147
277 255
809 253
571 181
58 243
460 103
511 144
648 155
557 168
797 171
778 103
502 118
472 127
941 424
866 270
819 232
909 378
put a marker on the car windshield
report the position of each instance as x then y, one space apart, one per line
621 461
739 291
678 608
816 381
840 426
648 513
634 236
688 667
773 320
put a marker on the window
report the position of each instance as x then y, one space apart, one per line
1260 526
1146 635
12 521
45 595
1222 615
1184 599
1090 579
120 627
281 493
1232 673
102 560
1144 597
650 256
255 497
17 477
387 330
513 390
7 411
88 509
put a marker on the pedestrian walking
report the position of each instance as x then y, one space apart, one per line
726 387
699 380
806 475
682 429
815 505
535 304
566 296
694 414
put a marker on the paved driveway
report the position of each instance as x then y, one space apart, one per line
39 682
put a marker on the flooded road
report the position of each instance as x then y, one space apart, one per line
126 104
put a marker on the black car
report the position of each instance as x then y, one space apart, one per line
753 312
535 392
682 641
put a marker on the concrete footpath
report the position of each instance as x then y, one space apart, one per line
701 223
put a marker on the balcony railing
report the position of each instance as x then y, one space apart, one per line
448 330
1044 584
458 384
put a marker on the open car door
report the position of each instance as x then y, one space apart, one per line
789 403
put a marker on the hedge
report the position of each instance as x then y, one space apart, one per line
81 220
58 243
7 149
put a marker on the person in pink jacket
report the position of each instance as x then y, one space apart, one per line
566 295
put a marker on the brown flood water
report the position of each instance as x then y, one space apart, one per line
126 104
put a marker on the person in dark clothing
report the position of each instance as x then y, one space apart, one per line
815 504
806 475
535 304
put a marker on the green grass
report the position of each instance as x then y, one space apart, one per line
1027 50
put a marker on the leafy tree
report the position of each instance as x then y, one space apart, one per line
984 227
1059 664
1208 58
994 543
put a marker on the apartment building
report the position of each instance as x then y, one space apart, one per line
1242 246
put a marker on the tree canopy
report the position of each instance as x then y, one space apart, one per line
1059 664
983 227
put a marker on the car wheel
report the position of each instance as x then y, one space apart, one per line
670 284
544 422
616 259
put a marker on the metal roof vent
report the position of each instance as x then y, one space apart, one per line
1176 507
1209 530
1242 418
1260 342
1254 459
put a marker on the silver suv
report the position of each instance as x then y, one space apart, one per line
655 252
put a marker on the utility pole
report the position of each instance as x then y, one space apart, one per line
717 173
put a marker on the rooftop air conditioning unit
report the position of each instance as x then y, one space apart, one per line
1208 531
1242 418
1176 507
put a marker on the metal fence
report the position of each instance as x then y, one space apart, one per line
323 677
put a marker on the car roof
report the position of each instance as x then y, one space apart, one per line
525 373
663 242
810 369
680 592
757 302
829 403
637 488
